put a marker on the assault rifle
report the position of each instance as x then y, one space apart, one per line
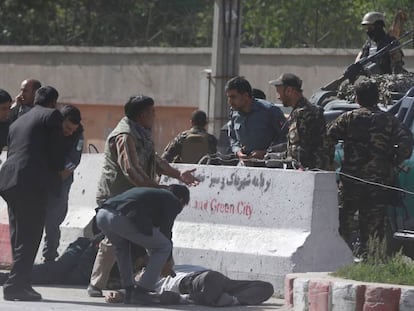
355 70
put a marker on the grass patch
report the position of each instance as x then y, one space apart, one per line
380 267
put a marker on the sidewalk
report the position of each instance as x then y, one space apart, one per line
64 298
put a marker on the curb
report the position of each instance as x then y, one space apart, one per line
322 292
5 248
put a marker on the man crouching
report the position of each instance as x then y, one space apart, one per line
143 216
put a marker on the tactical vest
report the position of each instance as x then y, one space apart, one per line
194 147
113 181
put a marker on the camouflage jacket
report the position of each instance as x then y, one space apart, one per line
389 62
307 135
375 142
173 151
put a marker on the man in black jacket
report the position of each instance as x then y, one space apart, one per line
25 99
5 103
143 216
58 201
35 157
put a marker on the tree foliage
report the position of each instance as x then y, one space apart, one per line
265 23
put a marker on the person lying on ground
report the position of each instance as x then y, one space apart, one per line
202 286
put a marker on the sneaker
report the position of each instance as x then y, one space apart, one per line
93 291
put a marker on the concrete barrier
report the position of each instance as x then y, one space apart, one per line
5 249
249 223
322 291
258 223
347 296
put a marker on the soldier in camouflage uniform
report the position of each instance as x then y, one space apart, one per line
129 161
390 62
375 143
306 138
191 145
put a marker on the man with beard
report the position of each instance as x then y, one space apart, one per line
306 136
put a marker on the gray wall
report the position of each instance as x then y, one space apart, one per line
173 76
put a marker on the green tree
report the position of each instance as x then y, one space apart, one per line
189 23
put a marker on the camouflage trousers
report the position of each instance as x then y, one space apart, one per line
371 204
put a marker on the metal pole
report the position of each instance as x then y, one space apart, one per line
225 58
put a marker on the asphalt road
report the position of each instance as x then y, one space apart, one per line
63 298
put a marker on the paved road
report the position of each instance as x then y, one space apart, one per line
64 298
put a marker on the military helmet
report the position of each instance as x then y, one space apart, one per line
371 17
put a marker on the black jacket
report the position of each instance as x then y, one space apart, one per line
35 153
147 208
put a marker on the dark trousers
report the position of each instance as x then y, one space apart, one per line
26 220
57 208
68 269
371 203
211 288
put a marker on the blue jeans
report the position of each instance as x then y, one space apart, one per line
121 231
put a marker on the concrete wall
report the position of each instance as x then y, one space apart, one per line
172 76
100 80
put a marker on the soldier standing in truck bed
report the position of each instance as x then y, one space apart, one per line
390 62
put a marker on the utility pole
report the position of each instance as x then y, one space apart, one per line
225 59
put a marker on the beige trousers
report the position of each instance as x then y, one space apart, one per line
104 261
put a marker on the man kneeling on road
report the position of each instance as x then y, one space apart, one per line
142 216
201 286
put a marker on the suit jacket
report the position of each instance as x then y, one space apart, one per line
147 208
35 152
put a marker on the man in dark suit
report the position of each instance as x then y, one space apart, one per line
142 216
34 158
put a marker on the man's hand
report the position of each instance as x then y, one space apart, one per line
113 297
18 100
168 269
258 154
241 155
188 178
65 174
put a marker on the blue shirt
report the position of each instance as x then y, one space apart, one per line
258 129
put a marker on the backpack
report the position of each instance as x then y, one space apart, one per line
194 147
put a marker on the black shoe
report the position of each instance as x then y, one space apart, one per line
22 294
169 298
93 291
32 291
139 296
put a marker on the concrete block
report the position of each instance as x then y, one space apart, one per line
300 294
407 299
319 295
347 296
382 298
5 248
258 216
288 293
254 215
